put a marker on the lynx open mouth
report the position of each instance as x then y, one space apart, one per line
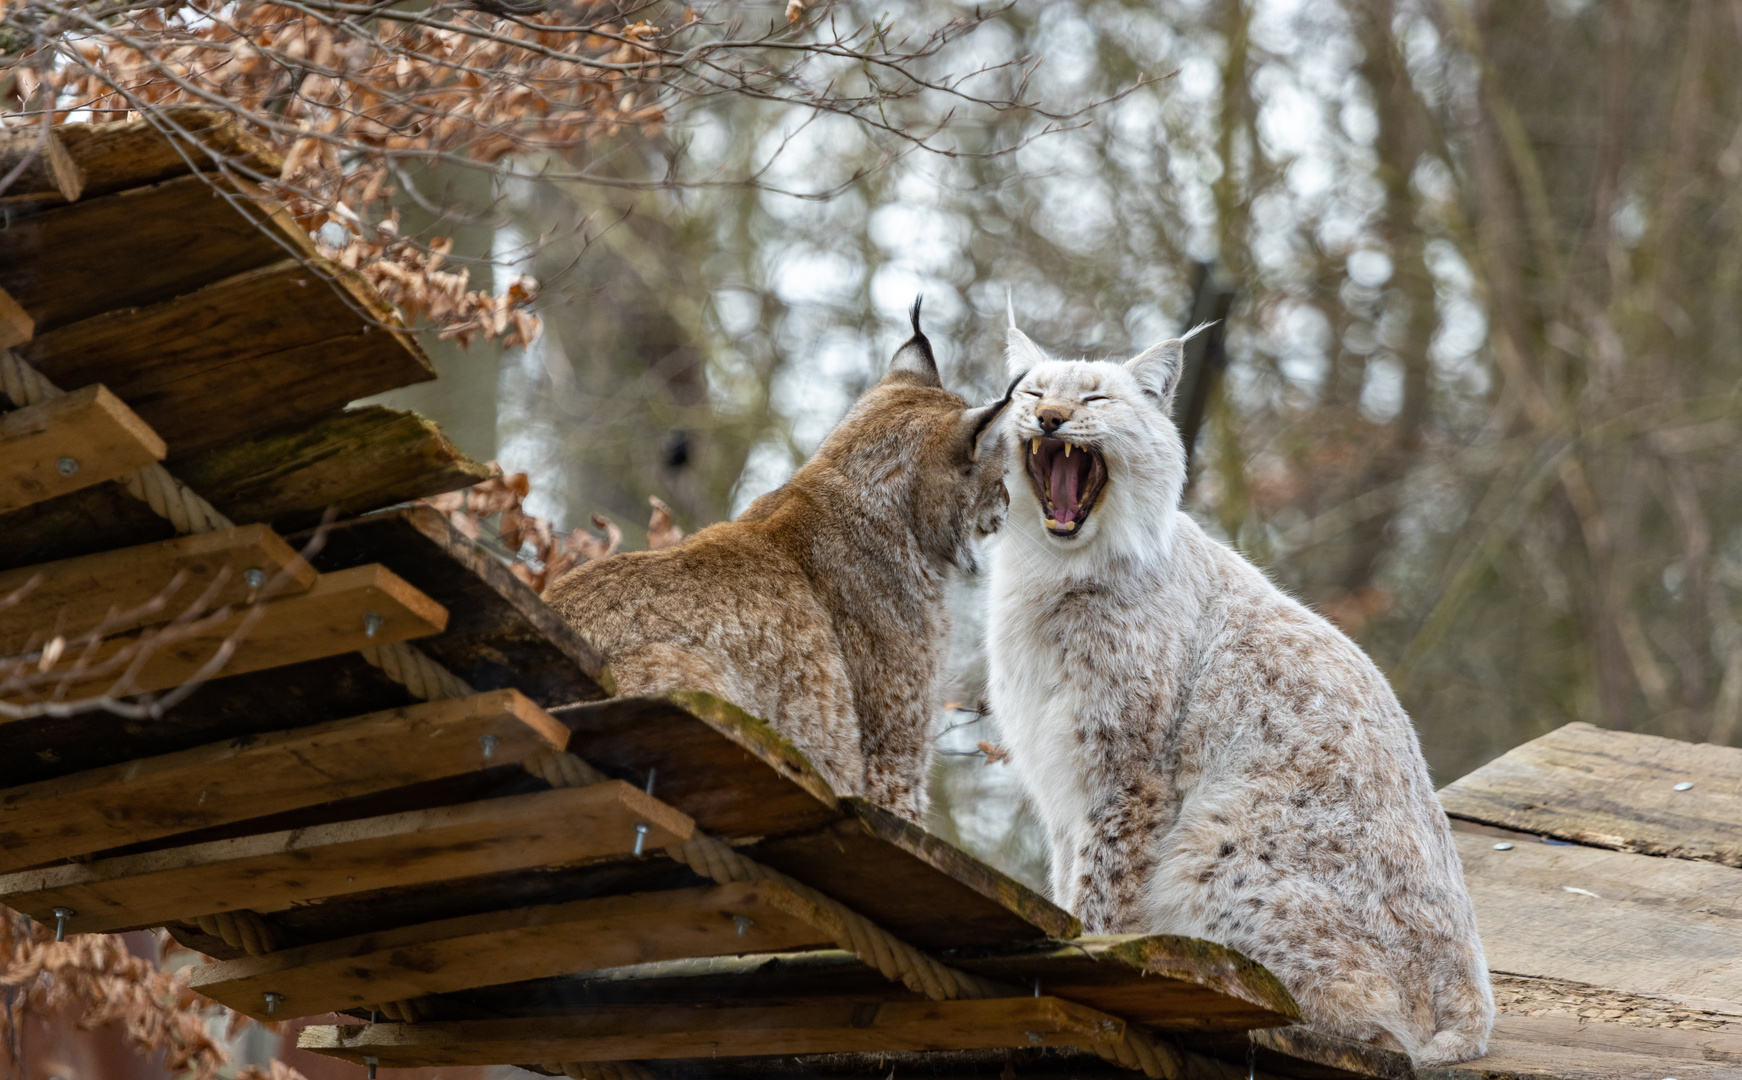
1067 478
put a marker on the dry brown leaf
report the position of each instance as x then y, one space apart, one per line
661 532
994 753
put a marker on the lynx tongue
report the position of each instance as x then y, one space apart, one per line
1066 486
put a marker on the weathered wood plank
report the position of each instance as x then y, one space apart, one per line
136 247
640 1033
245 354
355 459
1568 1048
1629 922
332 617
70 442
508 946
16 326
125 154
1612 789
50 170
75 594
271 871
499 632
249 778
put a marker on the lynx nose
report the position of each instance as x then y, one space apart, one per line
1050 418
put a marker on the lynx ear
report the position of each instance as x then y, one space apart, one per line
915 357
976 422
1020 354
1158 367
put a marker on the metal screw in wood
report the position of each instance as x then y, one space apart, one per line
743 923
61 915
371 1062
1684 785
1502 846
372 624
67 466
272 1000
640 836
254 576
489 743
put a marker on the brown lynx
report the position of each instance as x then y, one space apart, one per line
822 608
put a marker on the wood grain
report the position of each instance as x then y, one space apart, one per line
245 354
16 327
91 428
125 154
508 946
1612 789
73 595
1567 1048
271 871
136 247
330 618
240 779
50 170
1628 922
618 1033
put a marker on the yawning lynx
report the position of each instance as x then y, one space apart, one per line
823 608
1210 757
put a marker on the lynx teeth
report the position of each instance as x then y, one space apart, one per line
1034 445
1067 449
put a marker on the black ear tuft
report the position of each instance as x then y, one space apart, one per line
915 355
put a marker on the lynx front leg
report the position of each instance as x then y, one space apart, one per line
1116 859
897 747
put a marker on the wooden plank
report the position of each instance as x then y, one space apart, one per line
1612 789
499 632
332 617
508 946
272 871
75 594
249 778
16 326
1629 922
628 1033
70 442
1569 1048
50 170
125 154
356 459
137 247
248 353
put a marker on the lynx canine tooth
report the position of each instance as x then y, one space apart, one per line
1034 445
1067 449
1051 524
1070 526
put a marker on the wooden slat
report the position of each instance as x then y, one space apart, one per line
1574 1048
618 1033
125 154
355 459
91 428
16 327
272 871
1630 922
508 946
1612 789
75 594
329 618
242 779
50 170
136 247
245 354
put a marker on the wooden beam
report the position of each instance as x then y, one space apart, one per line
332 617
242 355
122 154
70 442
50 171
641 1033
239 779
74 595
511 946
16 325
272 871
1612 789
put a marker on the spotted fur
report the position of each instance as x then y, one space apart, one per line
823 608
1210 757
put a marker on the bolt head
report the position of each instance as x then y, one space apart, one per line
254 576
489 744
372 624
1685 785
1503 846
67 466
